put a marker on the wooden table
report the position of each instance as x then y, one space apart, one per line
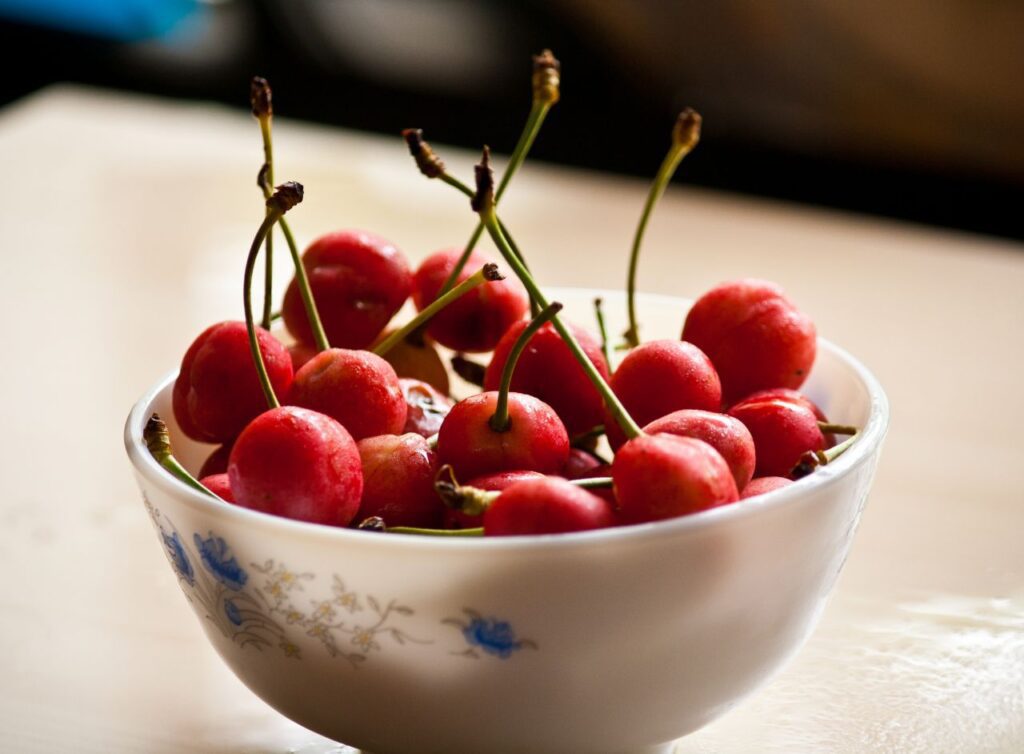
124 226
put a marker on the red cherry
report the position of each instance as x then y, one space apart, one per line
535 440
218 392
763 485
398 481
359 281
216 462
426 408
782 433
579 465
754 335
549 505
301 353
548 370
793 396
357 388
726 434
456 519
419 362
476 322
219 485
659 377
664 476
297 463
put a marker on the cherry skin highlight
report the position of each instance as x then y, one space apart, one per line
476 322
763 485
299 464
359 281
426 407
549 505
536 439
219 485
658 477
659 377
218 392
357 388
398 481
456 519
782 433
548 370
726 434
754 335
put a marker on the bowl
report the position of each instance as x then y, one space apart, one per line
608 642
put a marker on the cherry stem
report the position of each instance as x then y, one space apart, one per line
483 203
594 483
284 198
158 441
260 97
376 523
838 429
685 135
488 273
470 500
500 421
602 329
812 459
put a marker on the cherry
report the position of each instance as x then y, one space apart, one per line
216 462
398 481
457 519
301 353
755 336
726 434
358 388
793 396
660 377
663 476
218 388
505 431
763 485
580 464
297 463
360 281
476 321
549 370
219 485
783 431
426 407
549 505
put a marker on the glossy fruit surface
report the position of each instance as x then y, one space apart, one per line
476 322
794 396
782 432
754 335
663 476
536 439
357 388
548 370
299 464
218 392
219 485
456 519
359 281
763 485
398 481
726 434
549 505
659 377
426 408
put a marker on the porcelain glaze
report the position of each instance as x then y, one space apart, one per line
608 642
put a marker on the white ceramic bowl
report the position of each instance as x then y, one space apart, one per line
604 642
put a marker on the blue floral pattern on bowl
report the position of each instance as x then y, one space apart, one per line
492 635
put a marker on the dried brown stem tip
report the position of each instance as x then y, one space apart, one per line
483 200
259 96
426 159
155 435
491 272
286 196
686 132
547 76
373 523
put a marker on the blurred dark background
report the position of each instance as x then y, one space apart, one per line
911 109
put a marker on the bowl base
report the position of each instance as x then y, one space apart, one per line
666 748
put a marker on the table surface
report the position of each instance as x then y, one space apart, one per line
123 224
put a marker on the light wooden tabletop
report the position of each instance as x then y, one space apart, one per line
124 226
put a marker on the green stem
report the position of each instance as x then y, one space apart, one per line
267 181
603 330
473 532
319 336
837 429
487 273
685 134
499 421
158 441
271 217
594 483
618 411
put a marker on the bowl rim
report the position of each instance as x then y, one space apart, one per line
857 455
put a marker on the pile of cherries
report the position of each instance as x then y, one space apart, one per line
352 424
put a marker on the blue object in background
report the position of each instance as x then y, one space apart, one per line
127 20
